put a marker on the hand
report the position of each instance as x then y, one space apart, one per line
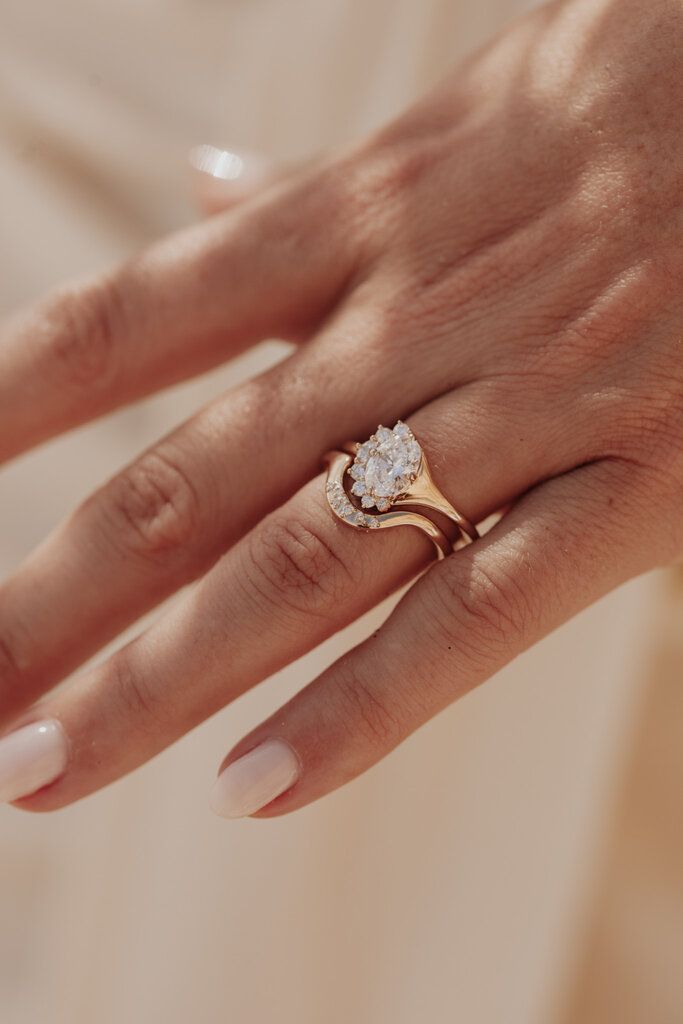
501 267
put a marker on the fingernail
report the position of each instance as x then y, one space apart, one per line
255 779
30 758
230 166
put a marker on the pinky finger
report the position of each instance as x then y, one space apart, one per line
562 546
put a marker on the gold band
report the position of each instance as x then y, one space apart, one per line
418 493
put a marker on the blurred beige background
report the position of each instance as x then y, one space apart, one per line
521 859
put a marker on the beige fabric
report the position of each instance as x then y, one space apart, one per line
449 884
630 967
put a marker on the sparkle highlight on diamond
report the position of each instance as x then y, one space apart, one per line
338 499
385 466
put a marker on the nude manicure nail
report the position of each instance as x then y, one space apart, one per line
231 166
255 779
30 758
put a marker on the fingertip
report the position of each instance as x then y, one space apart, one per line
31 759
250 783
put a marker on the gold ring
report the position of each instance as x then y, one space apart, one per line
389 473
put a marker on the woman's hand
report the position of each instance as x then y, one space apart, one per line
501 267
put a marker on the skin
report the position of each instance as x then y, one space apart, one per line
502 268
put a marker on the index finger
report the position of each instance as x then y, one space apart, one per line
188 303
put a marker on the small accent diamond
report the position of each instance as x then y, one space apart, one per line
345 509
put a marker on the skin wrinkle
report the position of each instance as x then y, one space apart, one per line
501 265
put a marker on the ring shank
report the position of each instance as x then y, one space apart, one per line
425 494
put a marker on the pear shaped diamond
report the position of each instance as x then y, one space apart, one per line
385 466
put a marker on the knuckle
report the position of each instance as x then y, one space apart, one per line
650 433
138 699
297 565
19 664
12 666
652 422
373 184
641 421
483 612
83 325
153 507
17 657
385 172
365 709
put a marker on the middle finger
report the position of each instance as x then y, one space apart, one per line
163 521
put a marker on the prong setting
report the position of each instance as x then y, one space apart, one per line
385 466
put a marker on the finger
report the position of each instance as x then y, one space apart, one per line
298 577
563 545
264 270
223 178
163 520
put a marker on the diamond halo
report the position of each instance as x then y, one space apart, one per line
391 469
385 466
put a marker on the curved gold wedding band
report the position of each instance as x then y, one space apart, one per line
390 473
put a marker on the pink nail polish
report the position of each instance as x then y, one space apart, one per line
255 779
30 758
